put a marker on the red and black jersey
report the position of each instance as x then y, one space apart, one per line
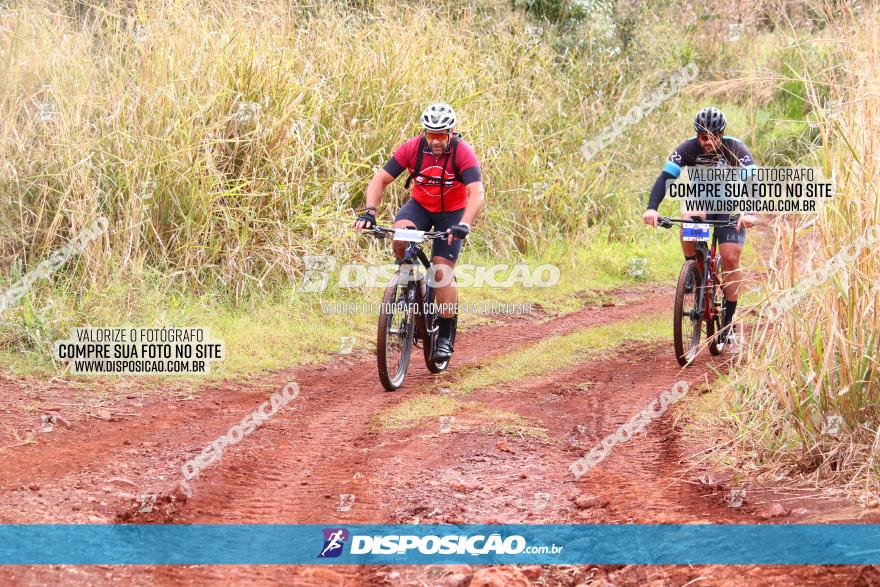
426 187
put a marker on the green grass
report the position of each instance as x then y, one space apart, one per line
233 138
470 415
555 353
542 358
492 421
210 216
283 327
416 409
590 270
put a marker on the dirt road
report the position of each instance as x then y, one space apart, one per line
326 443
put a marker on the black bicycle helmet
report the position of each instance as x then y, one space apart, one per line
710 120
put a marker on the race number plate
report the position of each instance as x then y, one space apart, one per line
695 232
409 235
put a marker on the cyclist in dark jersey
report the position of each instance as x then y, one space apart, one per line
447 194
713 149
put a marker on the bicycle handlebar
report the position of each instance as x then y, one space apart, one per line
667 222
382 231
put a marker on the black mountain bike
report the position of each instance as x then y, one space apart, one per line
698 295
406 316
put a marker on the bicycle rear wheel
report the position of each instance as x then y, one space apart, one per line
687 322
397 327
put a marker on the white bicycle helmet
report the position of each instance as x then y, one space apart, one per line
438 116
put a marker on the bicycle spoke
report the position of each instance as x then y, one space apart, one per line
399 327
696 326
688 315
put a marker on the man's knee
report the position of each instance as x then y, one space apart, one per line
688 249
444 272
730 263
730 259
399 247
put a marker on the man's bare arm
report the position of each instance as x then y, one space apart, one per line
476 198
376 187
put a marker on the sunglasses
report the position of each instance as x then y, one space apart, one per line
437 135
707 136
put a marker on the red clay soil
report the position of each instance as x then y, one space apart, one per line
326 443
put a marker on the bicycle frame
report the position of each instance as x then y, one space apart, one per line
710 270
710 277
410 300
414 254
411 258
698 277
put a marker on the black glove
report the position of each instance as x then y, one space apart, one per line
460 231
369 218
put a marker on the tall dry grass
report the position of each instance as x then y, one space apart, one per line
223 141
820 360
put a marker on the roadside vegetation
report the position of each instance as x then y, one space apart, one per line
805 398
224 142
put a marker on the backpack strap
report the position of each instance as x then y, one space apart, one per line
456 139
423 144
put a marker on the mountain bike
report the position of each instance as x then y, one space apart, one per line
407 316
698 295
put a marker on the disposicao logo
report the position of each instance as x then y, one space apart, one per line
450 544
334 540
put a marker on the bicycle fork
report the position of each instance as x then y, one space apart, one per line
418 294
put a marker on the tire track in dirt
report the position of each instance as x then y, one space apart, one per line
97 470
181 425
477 478
293 469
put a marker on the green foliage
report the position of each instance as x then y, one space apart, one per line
555 11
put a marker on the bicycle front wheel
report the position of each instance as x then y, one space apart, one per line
394 341
687 321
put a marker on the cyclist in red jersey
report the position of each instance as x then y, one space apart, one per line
447 194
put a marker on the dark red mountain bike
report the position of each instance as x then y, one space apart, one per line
698 295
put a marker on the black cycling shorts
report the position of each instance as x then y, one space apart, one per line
728 234
439 221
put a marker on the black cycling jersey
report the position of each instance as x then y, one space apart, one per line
733 153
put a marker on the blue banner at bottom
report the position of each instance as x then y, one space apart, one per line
791 544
